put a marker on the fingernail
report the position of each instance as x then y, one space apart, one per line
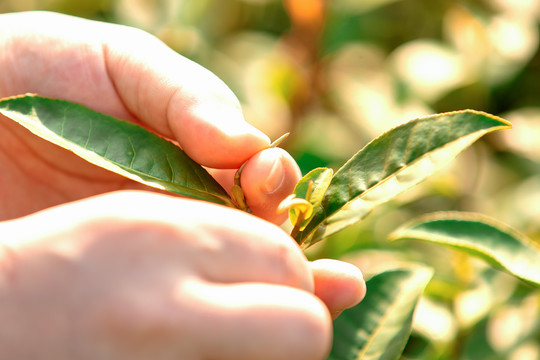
336 313
276 175
252 130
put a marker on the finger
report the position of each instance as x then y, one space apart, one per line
128 73
58 56
267 178
244 248
219 244
180 99
225 177
338 284
259 321
270 168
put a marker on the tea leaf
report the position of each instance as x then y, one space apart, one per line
503 247
378 328
321 178
300 211
392 163
116 145
312 188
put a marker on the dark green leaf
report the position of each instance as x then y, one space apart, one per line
498 244
378 328
116 145
392 163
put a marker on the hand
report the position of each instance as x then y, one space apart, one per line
71 270
126 73
136 275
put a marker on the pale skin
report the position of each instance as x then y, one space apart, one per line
94 267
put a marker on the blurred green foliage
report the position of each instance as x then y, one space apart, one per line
338 73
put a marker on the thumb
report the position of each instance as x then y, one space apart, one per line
268 178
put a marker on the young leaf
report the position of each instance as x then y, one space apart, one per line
378 328
320 177
392 163
311 188
488 239
116 145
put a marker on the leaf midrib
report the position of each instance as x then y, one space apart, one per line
482 251
478 133
384 318
72 145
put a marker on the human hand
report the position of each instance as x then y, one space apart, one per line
129 74
136 275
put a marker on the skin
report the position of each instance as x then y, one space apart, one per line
92 270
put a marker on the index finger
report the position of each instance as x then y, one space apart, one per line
180 99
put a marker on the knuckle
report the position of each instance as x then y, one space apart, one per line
289 263
126 320
288 266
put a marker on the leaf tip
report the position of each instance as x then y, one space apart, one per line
279 140
505 124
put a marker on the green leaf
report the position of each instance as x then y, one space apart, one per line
307 194
378 328
312 188
392 163
116 145
321 178
501 246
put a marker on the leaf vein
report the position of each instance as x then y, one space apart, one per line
89 134
408 146
171 168
64 118
133 153
384 318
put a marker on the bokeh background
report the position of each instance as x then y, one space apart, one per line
338 73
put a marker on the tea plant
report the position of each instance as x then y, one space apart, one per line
323 202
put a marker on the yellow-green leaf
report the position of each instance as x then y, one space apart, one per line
320 179
311 188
